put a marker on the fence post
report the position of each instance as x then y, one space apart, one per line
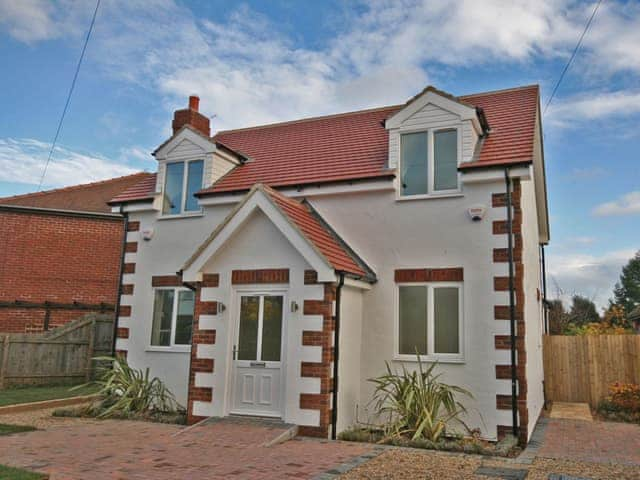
92 335
5 360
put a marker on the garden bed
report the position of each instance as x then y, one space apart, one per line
473 445
96 409
622 404
8 429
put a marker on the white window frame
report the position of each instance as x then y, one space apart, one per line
183 199
431 356
172 347
431 192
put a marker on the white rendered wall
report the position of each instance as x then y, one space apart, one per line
533 306
392 234
349 371
172 243
258 244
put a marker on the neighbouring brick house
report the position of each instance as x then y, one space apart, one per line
274 269
59 246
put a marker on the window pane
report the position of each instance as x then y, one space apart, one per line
446 316
271 329
248 336
184 320
413 319
194 183
173 188
414 148
162 312
445 151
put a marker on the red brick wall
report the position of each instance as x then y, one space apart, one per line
59 259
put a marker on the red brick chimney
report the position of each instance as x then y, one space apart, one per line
191 116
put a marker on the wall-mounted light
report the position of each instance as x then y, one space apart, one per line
221 307
294 306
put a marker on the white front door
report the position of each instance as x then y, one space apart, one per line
257 355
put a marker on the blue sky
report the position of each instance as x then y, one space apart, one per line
262 61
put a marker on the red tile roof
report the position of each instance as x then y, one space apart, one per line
354 146
141 191
88 197
334 148
318 232
511 115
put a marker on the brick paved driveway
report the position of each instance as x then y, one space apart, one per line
607 442
138 450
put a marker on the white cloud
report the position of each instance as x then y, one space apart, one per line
248 72
628 204
594 106
31 21
592 276
22 161
136 153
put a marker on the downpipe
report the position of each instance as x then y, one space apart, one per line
336 355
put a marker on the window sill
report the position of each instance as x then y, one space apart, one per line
431 196
182 215
429 359
175 349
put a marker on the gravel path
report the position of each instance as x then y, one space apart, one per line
409 464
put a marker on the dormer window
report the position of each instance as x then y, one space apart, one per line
182 181
429 162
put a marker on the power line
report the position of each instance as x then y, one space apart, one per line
575 50
66 105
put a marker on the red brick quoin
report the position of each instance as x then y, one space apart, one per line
201 337
501 312
56 258
322 370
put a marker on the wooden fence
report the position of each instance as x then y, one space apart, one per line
581 368
62 355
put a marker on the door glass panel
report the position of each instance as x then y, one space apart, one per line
272 328
413 320
184 320
162 312
248 335
446 320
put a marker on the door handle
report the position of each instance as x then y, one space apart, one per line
258 364
235 350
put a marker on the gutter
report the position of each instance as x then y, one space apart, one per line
125 216
336 356
60 212
512 309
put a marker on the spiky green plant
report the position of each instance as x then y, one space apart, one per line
417 404
125 390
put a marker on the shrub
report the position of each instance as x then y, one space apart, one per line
127 391
625 396
417 404
597 328
622 403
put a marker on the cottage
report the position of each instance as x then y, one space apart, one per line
272 270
